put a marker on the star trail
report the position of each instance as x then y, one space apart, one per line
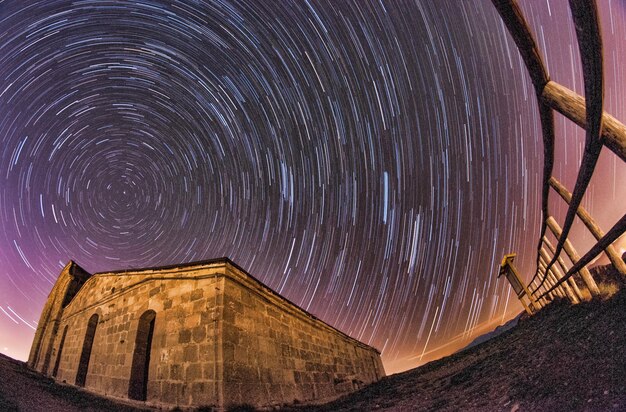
370 160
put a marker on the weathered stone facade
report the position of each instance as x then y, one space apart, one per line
197 334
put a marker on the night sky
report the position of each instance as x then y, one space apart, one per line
370 160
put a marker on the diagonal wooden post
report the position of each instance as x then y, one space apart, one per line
557 276
549 280
574 257
593 227
542 301
539 302
563 270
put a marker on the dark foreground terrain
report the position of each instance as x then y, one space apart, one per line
24 390
564 358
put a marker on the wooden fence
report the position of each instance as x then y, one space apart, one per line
553 276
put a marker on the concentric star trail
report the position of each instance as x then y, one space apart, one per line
370 160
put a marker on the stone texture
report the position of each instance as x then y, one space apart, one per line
220 338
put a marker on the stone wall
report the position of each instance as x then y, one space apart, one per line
182 362
277 353
70 280
219 338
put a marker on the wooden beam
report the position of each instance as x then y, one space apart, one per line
557 274
572 106
574 257
515 22
595 230
547 131
550 279
563 269
616 231
585 15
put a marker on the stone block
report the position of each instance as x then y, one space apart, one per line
206 351
204 394
308 391
231 334
170 392
154 391
162 372
233 396
253 392
228 316
198 305
192 320
241 353
247 298
199 334
193 372
176 372
197 294
190 353
265 375
235 306
184 336
285 350
209 370
273 313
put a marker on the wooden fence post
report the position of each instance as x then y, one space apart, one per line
563 269
574 257
593 227
558 275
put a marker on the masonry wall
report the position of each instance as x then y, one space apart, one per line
71 278
183 367
276 353
220 338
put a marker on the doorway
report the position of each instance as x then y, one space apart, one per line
138 384
56 364
83 365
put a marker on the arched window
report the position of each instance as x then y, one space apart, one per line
56 364
83 365
138 384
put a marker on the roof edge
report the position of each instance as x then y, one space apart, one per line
225 260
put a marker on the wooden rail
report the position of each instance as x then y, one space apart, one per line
552 277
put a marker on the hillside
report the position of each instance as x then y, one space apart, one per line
496 332
564 358
24 390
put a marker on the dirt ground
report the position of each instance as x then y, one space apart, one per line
24 390
564 358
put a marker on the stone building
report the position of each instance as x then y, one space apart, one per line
197 334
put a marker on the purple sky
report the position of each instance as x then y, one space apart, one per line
371 161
